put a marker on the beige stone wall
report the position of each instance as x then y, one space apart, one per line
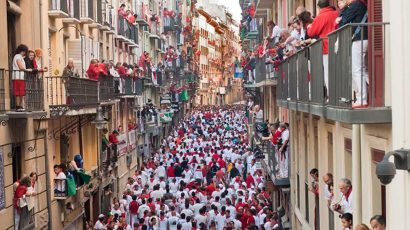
325 149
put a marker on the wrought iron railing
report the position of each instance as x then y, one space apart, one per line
86 9
71 91
2 91
127 29
33 95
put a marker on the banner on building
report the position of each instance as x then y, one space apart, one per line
123 145
2 195
132 136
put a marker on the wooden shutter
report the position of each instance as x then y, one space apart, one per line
74 52
375 51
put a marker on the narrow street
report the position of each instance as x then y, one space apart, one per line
203 176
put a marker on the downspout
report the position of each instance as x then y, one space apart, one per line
357 177
48 179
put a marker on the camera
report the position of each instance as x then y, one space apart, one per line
385 171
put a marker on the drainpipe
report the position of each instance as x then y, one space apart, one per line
356 180
48 179
48 183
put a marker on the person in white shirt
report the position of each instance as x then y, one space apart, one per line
220 219
99 224
346 200
142 209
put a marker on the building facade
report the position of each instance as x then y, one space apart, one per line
65 117
328 133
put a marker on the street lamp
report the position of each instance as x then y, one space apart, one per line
99 120
99 123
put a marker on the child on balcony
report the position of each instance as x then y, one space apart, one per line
59 181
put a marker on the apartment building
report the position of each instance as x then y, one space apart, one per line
65 118
328 133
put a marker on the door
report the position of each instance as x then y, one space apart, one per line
375 54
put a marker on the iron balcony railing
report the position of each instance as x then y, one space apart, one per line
302 75
33 98
127 30
71 91
2 91
142 14
169 23
59 5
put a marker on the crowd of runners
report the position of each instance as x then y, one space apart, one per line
204 176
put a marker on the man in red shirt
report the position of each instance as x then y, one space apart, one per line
133 208
323 24
170 171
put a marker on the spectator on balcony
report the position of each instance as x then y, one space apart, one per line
93 70
30 62
306 19
361 227
60 181
113 138
274 32
320 27
18 76
347 221
104 140
122 12
342 7
345 205
378 222
131 18
328 189
356 12
38 60
69 70
102 68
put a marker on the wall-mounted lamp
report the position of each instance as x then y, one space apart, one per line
99 120
385 170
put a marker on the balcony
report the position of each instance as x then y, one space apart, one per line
33 99
86 11
301 85
73 10
66 94
127 32
278 164
107 21
154 30
170 24
58 8
142 15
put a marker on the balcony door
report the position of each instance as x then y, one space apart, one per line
376 54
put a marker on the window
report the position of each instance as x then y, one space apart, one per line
16 162
330 151
348 157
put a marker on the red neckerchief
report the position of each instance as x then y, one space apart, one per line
348 193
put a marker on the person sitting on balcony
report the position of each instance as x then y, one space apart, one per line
60 181
122 12
356 12
93 71
320 27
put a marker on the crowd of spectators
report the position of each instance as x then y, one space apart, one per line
342 205
304 29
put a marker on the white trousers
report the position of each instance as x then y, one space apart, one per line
326 71
360 76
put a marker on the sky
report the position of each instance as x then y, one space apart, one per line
233 7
